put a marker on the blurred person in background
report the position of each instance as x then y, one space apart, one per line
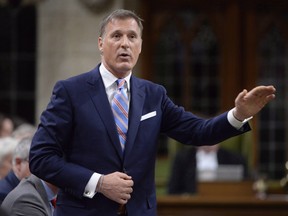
200 164
24 130
20 168
32 196
7 146
6 126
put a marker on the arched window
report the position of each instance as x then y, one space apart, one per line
273 69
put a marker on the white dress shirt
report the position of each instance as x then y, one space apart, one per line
110 84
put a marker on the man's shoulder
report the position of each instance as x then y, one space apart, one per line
18 197
144 83
10 181
85 76
24 187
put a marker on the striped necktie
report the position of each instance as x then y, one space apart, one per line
120 111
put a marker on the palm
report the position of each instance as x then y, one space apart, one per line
250 103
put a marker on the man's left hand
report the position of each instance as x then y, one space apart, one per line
248 104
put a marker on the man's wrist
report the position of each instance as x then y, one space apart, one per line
237 116
242 120
90 189
236 122
99 184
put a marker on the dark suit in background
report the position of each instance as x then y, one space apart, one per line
7 184
183 176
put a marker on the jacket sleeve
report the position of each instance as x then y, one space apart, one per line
52 139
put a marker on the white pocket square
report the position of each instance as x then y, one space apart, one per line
148 115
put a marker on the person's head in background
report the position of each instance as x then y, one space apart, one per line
6 126
20 160
24 130
7 146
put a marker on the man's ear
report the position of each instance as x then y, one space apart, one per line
100 44
18 160
141 46
17 164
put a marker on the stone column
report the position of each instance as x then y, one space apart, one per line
67 43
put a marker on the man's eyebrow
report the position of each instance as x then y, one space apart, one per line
116 31
123 32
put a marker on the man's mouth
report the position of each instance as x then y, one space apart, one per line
124 55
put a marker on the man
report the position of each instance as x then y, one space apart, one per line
20 168
31 197
77 147
200 164
7 146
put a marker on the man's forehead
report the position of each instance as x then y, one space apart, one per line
120 23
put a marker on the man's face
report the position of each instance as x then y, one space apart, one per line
23 169
120 46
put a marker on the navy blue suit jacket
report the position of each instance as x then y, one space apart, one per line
77 136
7 184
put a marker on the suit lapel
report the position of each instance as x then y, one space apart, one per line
41 190
99 97
135 112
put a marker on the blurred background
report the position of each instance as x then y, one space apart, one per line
204 52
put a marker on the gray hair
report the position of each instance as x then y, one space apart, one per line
24 130
22 149
7 146
120 14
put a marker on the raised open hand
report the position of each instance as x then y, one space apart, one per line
250 103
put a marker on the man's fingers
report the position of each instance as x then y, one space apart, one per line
125 196
241 95
272 88
128 190
122 201
263 90
270 97
117 186
124 176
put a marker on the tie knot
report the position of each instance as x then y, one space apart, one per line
120 83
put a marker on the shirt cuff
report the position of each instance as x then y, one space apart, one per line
235 122
90 189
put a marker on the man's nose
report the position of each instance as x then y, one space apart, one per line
125 41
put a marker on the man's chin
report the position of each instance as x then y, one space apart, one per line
125 67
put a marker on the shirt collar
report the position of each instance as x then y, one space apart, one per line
109 79
50 194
